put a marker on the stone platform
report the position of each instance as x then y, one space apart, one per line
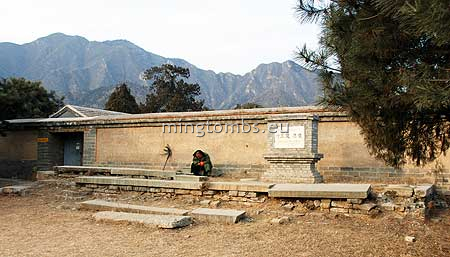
226 216
119 171
345 191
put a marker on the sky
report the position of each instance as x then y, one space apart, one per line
223 36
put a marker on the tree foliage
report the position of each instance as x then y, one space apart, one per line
169 92
121 100
394 60
249 105
21 98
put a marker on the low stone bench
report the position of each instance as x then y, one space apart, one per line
190 178
101 205
161 221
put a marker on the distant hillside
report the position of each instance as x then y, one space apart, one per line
87 71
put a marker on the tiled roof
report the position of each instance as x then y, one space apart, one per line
80 111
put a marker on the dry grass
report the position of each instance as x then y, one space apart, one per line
41 225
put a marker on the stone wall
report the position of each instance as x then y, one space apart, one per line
138 141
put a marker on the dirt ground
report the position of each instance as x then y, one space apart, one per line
40 224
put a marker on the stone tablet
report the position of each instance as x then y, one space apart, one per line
161 221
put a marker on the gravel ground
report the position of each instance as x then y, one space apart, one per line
40 224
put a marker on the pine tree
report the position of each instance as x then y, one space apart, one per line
121 100
21 98
169 93
393 60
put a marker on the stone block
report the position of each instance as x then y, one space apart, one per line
45 174
196 192
191 178
251 194
356 191
341 204
423 191
161 221
339 210
233 193
364 206
227 216
325 204
355 201
241 194
399 190
182 191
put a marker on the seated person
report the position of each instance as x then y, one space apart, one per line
201 164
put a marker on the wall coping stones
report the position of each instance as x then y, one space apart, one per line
161 221
119 181
245 186
227 216
101 205
355 191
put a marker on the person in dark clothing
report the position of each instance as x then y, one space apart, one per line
201 164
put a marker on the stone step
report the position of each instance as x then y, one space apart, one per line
226 216
244 186
191 178
161 221
119 181
344 191
101 205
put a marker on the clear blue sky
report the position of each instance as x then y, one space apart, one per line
224 36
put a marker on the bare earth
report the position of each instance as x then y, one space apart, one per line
42 225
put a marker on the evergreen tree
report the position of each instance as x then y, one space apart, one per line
121 100
393 60
248 106
21 98
169 93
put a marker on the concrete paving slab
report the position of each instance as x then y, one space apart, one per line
190 178
120 181
245 186
101 205
355 191
226 216
161 221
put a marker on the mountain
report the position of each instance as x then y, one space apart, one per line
85 72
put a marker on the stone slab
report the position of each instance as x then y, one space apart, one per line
143 172
423 191
355 191
244 186
77 169
400 190
101 205
190 178
14 189
161 221
226 216
119 181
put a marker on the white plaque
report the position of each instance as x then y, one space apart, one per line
294 137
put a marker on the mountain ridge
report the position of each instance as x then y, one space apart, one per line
85 72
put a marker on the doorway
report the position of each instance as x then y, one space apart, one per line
73 149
